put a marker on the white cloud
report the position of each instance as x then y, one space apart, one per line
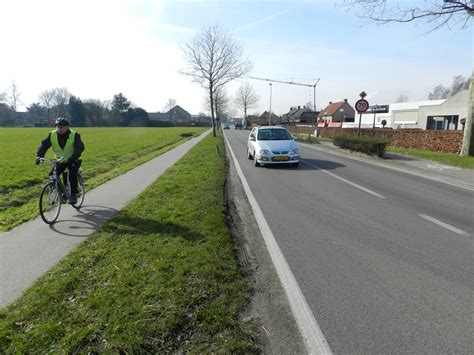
259 21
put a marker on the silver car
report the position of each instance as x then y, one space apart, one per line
272 145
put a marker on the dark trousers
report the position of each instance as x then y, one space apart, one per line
72 168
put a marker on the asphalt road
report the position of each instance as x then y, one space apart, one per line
383 258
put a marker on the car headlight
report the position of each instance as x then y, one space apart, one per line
265 152
294 151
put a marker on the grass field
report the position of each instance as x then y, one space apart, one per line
109 153
445 158
160 277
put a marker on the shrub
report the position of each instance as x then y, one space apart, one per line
305 138
364 144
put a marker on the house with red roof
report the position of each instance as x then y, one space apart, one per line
335 113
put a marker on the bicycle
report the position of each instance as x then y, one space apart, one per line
57 192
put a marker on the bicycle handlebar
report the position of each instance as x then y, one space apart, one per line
46 160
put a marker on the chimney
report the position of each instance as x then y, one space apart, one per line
299 107
345 100
330 102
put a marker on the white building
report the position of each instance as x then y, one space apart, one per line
446 116
430 114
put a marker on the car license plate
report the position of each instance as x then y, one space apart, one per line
281 158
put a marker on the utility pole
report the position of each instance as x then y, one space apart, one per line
270 112
314 95
375 108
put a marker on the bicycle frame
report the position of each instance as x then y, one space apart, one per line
65 189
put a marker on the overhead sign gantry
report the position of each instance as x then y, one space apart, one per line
292 83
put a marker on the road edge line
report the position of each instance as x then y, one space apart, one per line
396 168
310 331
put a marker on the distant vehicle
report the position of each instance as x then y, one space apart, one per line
272 145
225 126
238 125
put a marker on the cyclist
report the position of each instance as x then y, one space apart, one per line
67 144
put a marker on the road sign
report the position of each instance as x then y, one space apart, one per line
361 105
378 109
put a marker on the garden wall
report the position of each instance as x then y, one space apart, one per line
437 141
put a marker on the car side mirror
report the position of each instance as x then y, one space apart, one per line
252 138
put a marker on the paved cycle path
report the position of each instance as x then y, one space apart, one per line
31 249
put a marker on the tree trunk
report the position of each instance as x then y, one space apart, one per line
467 142
212 112
245 117
216 109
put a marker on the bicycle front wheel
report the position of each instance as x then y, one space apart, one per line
81 192
50 203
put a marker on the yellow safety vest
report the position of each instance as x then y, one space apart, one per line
68 149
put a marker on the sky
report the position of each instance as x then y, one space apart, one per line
99 48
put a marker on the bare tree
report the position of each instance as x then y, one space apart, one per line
437 13
438 93
402 98
459 83
308 106
220 101
170 104
246 98
46 99
60 100
13 97
213 59
95 112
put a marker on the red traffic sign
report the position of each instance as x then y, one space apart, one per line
361 105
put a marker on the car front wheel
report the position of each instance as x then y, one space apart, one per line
255 162
248 154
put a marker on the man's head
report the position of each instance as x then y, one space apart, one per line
62 125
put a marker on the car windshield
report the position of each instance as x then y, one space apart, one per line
273 134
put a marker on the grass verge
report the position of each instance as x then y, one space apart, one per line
305 138
445 158
160 277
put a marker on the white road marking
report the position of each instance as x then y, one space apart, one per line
441 167
450 182
373 193
444 225
310 331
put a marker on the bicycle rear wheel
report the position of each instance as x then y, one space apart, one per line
50 203
81 192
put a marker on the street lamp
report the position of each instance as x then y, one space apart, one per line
270 112
314 95
374 108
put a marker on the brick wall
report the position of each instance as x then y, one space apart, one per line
438 141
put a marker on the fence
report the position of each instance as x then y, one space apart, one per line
437 141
